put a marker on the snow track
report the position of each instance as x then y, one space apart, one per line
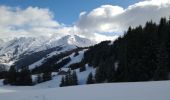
114 91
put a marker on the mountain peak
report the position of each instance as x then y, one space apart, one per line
13 49
74 40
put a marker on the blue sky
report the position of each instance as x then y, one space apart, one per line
66 11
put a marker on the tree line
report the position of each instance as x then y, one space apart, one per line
23 77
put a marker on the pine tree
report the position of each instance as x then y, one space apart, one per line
62 82
83 68
90 79
161 72
67 80
100 75
39 78
47 76
24 77
74 78
11 76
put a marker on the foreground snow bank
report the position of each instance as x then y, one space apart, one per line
114 91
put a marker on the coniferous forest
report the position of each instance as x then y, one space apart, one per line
141 54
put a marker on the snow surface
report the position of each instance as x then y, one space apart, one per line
55 82
66 47
82 76
73 59
11 50
111 42
159 90
76 59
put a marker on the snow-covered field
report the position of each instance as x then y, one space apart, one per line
159 90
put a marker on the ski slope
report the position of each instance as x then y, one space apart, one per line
159 90
56 80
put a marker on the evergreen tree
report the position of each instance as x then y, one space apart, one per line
67 80
83 68
70 78
90 79
24 77
161 72
100 75
39 78
11 76
74 78
47 76
62 82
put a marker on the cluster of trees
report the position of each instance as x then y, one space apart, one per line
42 77
142 54
69 80
23 77
51 65
18 77
2 74
46 76
3 71
90 79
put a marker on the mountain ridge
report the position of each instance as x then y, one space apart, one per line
14 50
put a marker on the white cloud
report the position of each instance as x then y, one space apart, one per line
98 20
32 21
101 37
109 18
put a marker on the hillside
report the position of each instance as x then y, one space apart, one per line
25 51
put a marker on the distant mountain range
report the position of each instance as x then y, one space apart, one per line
25 51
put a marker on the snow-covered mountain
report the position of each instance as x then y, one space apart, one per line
16 48
74 40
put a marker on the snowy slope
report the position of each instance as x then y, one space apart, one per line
159 90
70 40
75 59
55 82
10 51
40 62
